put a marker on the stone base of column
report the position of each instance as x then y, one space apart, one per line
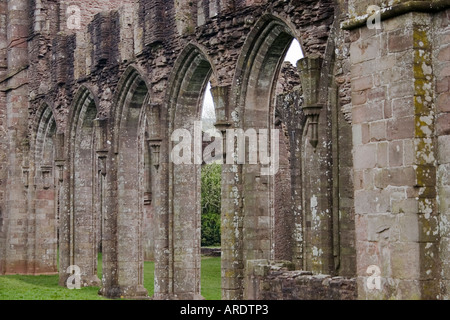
91 281
180 296
129 292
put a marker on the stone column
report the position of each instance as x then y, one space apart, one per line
231 201
17 116
3 136
316 169
185 16
394 155
441 69
231 227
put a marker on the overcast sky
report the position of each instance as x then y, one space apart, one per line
293 55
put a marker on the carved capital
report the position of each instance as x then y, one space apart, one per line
310 72
155 150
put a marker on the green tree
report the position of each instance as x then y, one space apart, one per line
211 204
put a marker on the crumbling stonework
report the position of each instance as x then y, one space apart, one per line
274 281
91 92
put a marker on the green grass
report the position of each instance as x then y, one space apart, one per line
211 281
17 287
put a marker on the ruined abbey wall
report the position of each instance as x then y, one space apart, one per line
89 101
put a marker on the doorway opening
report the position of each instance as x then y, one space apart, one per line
211 189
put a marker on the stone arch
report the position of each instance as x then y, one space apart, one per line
191 73
125 255
256 76
79 226
46 193
312 231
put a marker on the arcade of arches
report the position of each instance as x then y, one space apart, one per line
91 93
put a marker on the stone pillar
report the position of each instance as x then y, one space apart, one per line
394 155
316 169
185 16
231 201
231 227
64 219
186 229
441 69
149 209
110 285
17 116
163 256
289 106
3 136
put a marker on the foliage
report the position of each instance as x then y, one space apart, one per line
211 204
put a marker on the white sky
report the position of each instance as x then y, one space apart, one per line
293 55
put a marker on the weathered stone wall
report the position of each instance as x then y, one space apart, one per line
441 70
274 281
3 137
87 116
396 120
153 37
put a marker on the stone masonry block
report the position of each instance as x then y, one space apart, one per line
371 201
365 156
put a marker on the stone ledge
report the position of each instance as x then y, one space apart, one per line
397 10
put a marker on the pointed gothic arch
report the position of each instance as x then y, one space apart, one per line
191 73
124 255
46 193
79 223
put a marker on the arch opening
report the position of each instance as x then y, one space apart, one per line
84 221
126 189
266 230
187 98
47 194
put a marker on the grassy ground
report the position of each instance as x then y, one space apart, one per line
46 287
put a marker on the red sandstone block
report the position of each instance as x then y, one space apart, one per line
387 109
377 131
400 40
404 257
365 156
400 128
442 85
444 72
365 50
443 124
396 153
377 93
367 254
444 150
359 97
365 133
45 194
362 83
444 54
382 154
402 107
401 89
368 112
443 102
358 179
355 34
